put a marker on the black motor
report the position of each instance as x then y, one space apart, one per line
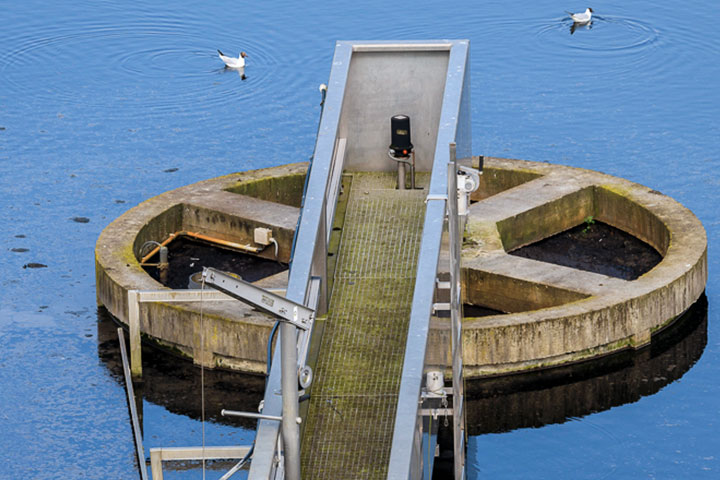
400 145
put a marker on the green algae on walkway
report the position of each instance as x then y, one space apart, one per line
349 425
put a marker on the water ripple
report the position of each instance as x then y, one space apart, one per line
72 63
610 44
609 34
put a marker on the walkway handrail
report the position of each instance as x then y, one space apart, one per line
406 455
311 239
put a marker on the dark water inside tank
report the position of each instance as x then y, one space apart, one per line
105 104
187 257
595 247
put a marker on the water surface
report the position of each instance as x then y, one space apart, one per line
106 104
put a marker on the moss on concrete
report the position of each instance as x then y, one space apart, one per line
361 353
618 205
547 219
159 227
495 180
118 270
287 189
614 318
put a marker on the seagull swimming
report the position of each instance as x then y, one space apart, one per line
584 17
231 62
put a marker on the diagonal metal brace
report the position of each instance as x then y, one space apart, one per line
286 310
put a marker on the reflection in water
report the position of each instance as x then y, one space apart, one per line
240 72
554 396
580 26
174 382
494 405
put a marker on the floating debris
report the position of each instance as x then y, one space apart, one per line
34 265
81 219
170 170
20 250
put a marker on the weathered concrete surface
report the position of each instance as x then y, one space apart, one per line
559 315
555 314
235 335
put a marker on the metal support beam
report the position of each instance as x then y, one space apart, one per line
134 327
136 297
455 234
257 416
209 294
290 407
293 316
133 410
159 455
286 310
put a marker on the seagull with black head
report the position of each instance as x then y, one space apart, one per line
232 62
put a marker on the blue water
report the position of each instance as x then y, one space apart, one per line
101 101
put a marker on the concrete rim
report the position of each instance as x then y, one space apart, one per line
235 335
606 314
558 315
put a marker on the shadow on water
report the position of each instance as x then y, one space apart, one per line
502 404
174 383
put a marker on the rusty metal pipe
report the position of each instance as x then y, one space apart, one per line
247 248
147 257
200 236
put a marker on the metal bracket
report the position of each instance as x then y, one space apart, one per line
435 412
436 196
472 173
425 394
288 311
257 416
440 307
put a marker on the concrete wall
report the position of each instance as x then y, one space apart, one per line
235 335
381 84
572 315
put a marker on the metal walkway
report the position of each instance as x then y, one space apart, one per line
349 426
370 415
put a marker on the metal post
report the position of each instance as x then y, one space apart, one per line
293 315
134 326
156 464
290 428
133 412
401 175
412 171
455 235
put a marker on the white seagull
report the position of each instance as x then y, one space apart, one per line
232 62
584 17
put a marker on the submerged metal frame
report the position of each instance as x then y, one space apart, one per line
311 242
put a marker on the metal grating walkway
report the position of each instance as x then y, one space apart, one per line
348 430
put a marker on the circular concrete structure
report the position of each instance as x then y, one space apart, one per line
555 315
